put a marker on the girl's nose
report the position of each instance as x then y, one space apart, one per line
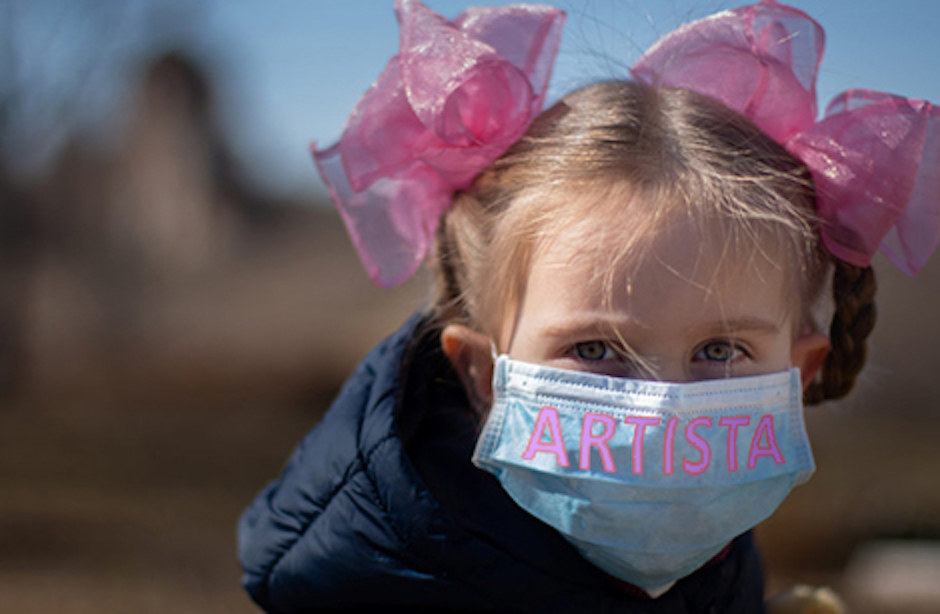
673 371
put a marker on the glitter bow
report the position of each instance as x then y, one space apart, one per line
874 157
456 96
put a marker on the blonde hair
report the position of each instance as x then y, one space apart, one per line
676 153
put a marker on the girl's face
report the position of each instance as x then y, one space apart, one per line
676 313
679 308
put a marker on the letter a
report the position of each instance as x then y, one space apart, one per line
548 416
764 427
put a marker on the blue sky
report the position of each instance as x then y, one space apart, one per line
291 70
303 65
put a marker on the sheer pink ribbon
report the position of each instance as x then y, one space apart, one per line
874 157
456 96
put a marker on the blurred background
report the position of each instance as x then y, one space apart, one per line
179 303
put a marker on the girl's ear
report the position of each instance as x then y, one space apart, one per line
469 353
808 353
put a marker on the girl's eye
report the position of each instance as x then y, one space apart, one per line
719 351
594 350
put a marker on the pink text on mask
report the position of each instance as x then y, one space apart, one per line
597 429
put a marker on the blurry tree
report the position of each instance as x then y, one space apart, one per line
63 69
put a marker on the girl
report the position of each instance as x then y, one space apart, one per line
604 396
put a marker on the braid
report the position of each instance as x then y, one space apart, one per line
853 289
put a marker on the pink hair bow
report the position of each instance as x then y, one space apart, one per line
456 96
874 157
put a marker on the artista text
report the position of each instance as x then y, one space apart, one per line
598 429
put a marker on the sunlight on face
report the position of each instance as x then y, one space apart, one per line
677 313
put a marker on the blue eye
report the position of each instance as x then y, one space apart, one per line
719 351
594 350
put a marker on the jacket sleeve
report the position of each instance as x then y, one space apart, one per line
297 535
329 532
280 535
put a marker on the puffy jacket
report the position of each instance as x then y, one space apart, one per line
380 509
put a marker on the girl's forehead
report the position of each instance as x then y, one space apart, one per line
618 226
624 227
616 251
673 280
631 249
598 247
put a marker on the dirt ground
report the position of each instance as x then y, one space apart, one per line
133 508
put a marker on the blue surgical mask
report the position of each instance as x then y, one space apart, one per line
648 480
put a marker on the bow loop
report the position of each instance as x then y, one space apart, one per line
759 60
459 87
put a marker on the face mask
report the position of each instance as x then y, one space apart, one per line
648 480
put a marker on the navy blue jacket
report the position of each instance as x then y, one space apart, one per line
379 509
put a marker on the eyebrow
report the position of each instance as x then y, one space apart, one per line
589 321
604 321
744 323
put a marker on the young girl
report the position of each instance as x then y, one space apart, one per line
604 396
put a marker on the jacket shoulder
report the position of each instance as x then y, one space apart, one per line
329 519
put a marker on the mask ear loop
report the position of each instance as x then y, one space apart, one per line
494 351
